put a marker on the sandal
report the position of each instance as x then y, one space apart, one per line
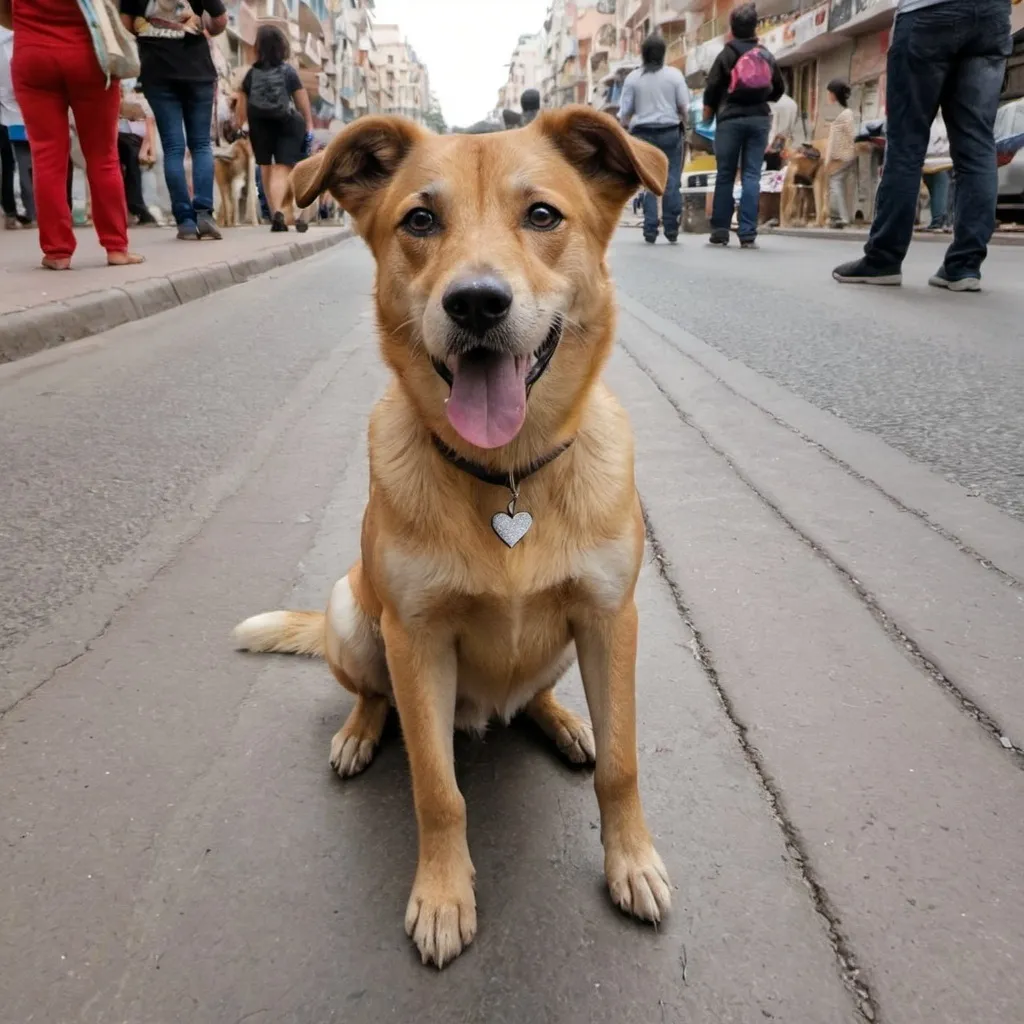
124 259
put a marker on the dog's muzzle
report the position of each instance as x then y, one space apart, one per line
541 357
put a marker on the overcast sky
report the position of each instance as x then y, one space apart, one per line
465 45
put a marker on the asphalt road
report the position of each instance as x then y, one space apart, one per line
832 641
938 378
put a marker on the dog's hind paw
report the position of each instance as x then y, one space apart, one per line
638 882
571 734
355 743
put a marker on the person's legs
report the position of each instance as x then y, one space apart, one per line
650 201
755 138
96 106
938 198
167 112
23 156
42 96
924 45
197 107
969 105
128 147
7 202
838 186
728 146
672 200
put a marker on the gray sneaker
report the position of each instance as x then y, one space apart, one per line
206 227
968 283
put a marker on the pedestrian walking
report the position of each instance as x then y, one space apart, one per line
273 100
785 115
840 158
743 80
938 176
948 53
530 104
179 81
136 131
14 152
56 67
653 107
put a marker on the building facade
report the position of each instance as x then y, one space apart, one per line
349 65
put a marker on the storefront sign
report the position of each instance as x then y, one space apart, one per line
803 29
772 39
852 12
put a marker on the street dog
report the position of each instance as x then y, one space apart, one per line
503 535
234 171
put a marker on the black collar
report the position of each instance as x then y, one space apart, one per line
510 479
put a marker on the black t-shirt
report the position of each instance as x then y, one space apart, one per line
291 78
172 47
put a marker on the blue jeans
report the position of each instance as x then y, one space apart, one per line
938 196
670 142
740 142
951 55
183 112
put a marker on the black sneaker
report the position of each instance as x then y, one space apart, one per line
862 272
967 283
207 227
718 238
302 226
277 222
672 239
188 231
650 239
749 243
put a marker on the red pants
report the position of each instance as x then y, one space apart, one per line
47 80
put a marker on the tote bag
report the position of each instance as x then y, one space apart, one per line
115 46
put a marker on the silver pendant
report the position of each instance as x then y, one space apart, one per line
511 526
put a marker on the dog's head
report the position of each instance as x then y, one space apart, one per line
490 253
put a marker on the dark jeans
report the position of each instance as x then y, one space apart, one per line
23 157
183 112
128 147
670 142
740 143
7 174
951 55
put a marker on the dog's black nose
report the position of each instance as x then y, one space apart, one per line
477 304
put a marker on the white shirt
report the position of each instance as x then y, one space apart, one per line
785 115
10 112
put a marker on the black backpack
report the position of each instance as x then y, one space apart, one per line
268 93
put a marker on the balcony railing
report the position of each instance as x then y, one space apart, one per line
710 29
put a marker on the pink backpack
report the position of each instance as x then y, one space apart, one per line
751 75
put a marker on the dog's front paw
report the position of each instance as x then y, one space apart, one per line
441 916
638 881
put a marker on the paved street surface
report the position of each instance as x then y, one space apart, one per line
832 647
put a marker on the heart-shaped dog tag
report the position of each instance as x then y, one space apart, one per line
511 528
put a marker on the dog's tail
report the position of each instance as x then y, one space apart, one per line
283 633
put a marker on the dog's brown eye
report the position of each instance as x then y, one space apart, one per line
420 222
543 217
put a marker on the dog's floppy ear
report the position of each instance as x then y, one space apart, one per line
601 150
357 162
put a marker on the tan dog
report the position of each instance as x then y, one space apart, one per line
234 170
503 535
799 202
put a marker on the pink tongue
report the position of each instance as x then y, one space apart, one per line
487 405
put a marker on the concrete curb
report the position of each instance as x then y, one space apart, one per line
28 331
999 238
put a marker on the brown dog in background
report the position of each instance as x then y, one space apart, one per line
234 171
496 314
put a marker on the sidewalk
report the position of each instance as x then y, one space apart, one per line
40 308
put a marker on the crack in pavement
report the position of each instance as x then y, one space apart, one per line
846 960
889 625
